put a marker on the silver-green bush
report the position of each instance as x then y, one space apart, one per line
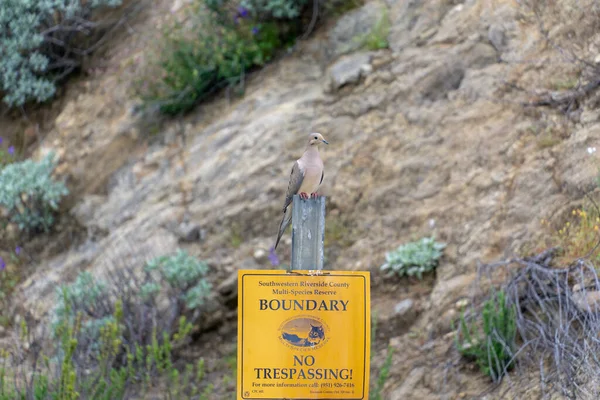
184 275
86 293
39 43
280 9
168 288
55 371
414 258
29 196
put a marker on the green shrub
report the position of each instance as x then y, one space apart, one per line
62 377
376 38
383 375
280 9
170 287
222 42
492 345
414 258
218 56
258 9
86 293
184 275
29 195
116 336
384 372
40 43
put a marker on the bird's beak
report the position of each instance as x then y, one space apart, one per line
325 141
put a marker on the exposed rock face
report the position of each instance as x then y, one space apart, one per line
418 133
345 36
349 69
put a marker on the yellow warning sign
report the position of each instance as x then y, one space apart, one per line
303 335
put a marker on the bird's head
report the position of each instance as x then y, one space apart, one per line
314 139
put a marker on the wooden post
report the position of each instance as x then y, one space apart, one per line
308 233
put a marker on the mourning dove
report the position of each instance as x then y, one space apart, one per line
306 177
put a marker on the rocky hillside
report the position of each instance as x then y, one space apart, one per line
426 137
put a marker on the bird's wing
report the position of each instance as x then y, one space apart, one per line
296 178
322 176
285 222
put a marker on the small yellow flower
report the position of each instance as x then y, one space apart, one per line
574 212
596 228
568 223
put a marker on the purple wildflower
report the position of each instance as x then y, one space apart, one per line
2 264
273 257
1 140
11 150
242 12
18 250
255 30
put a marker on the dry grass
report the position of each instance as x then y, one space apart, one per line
577 237
556 295
557 324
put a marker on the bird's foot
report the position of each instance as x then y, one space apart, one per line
304 196
314 195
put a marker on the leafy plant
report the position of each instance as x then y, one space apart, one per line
29 195
185 276
85 293
222 43
414 258
279 9
384 372
40 44
219 56
376 38
492 342
170 287
61 376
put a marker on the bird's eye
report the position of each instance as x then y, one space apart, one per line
316 138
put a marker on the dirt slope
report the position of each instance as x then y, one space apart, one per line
424 139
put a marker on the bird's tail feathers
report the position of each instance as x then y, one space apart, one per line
285 222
